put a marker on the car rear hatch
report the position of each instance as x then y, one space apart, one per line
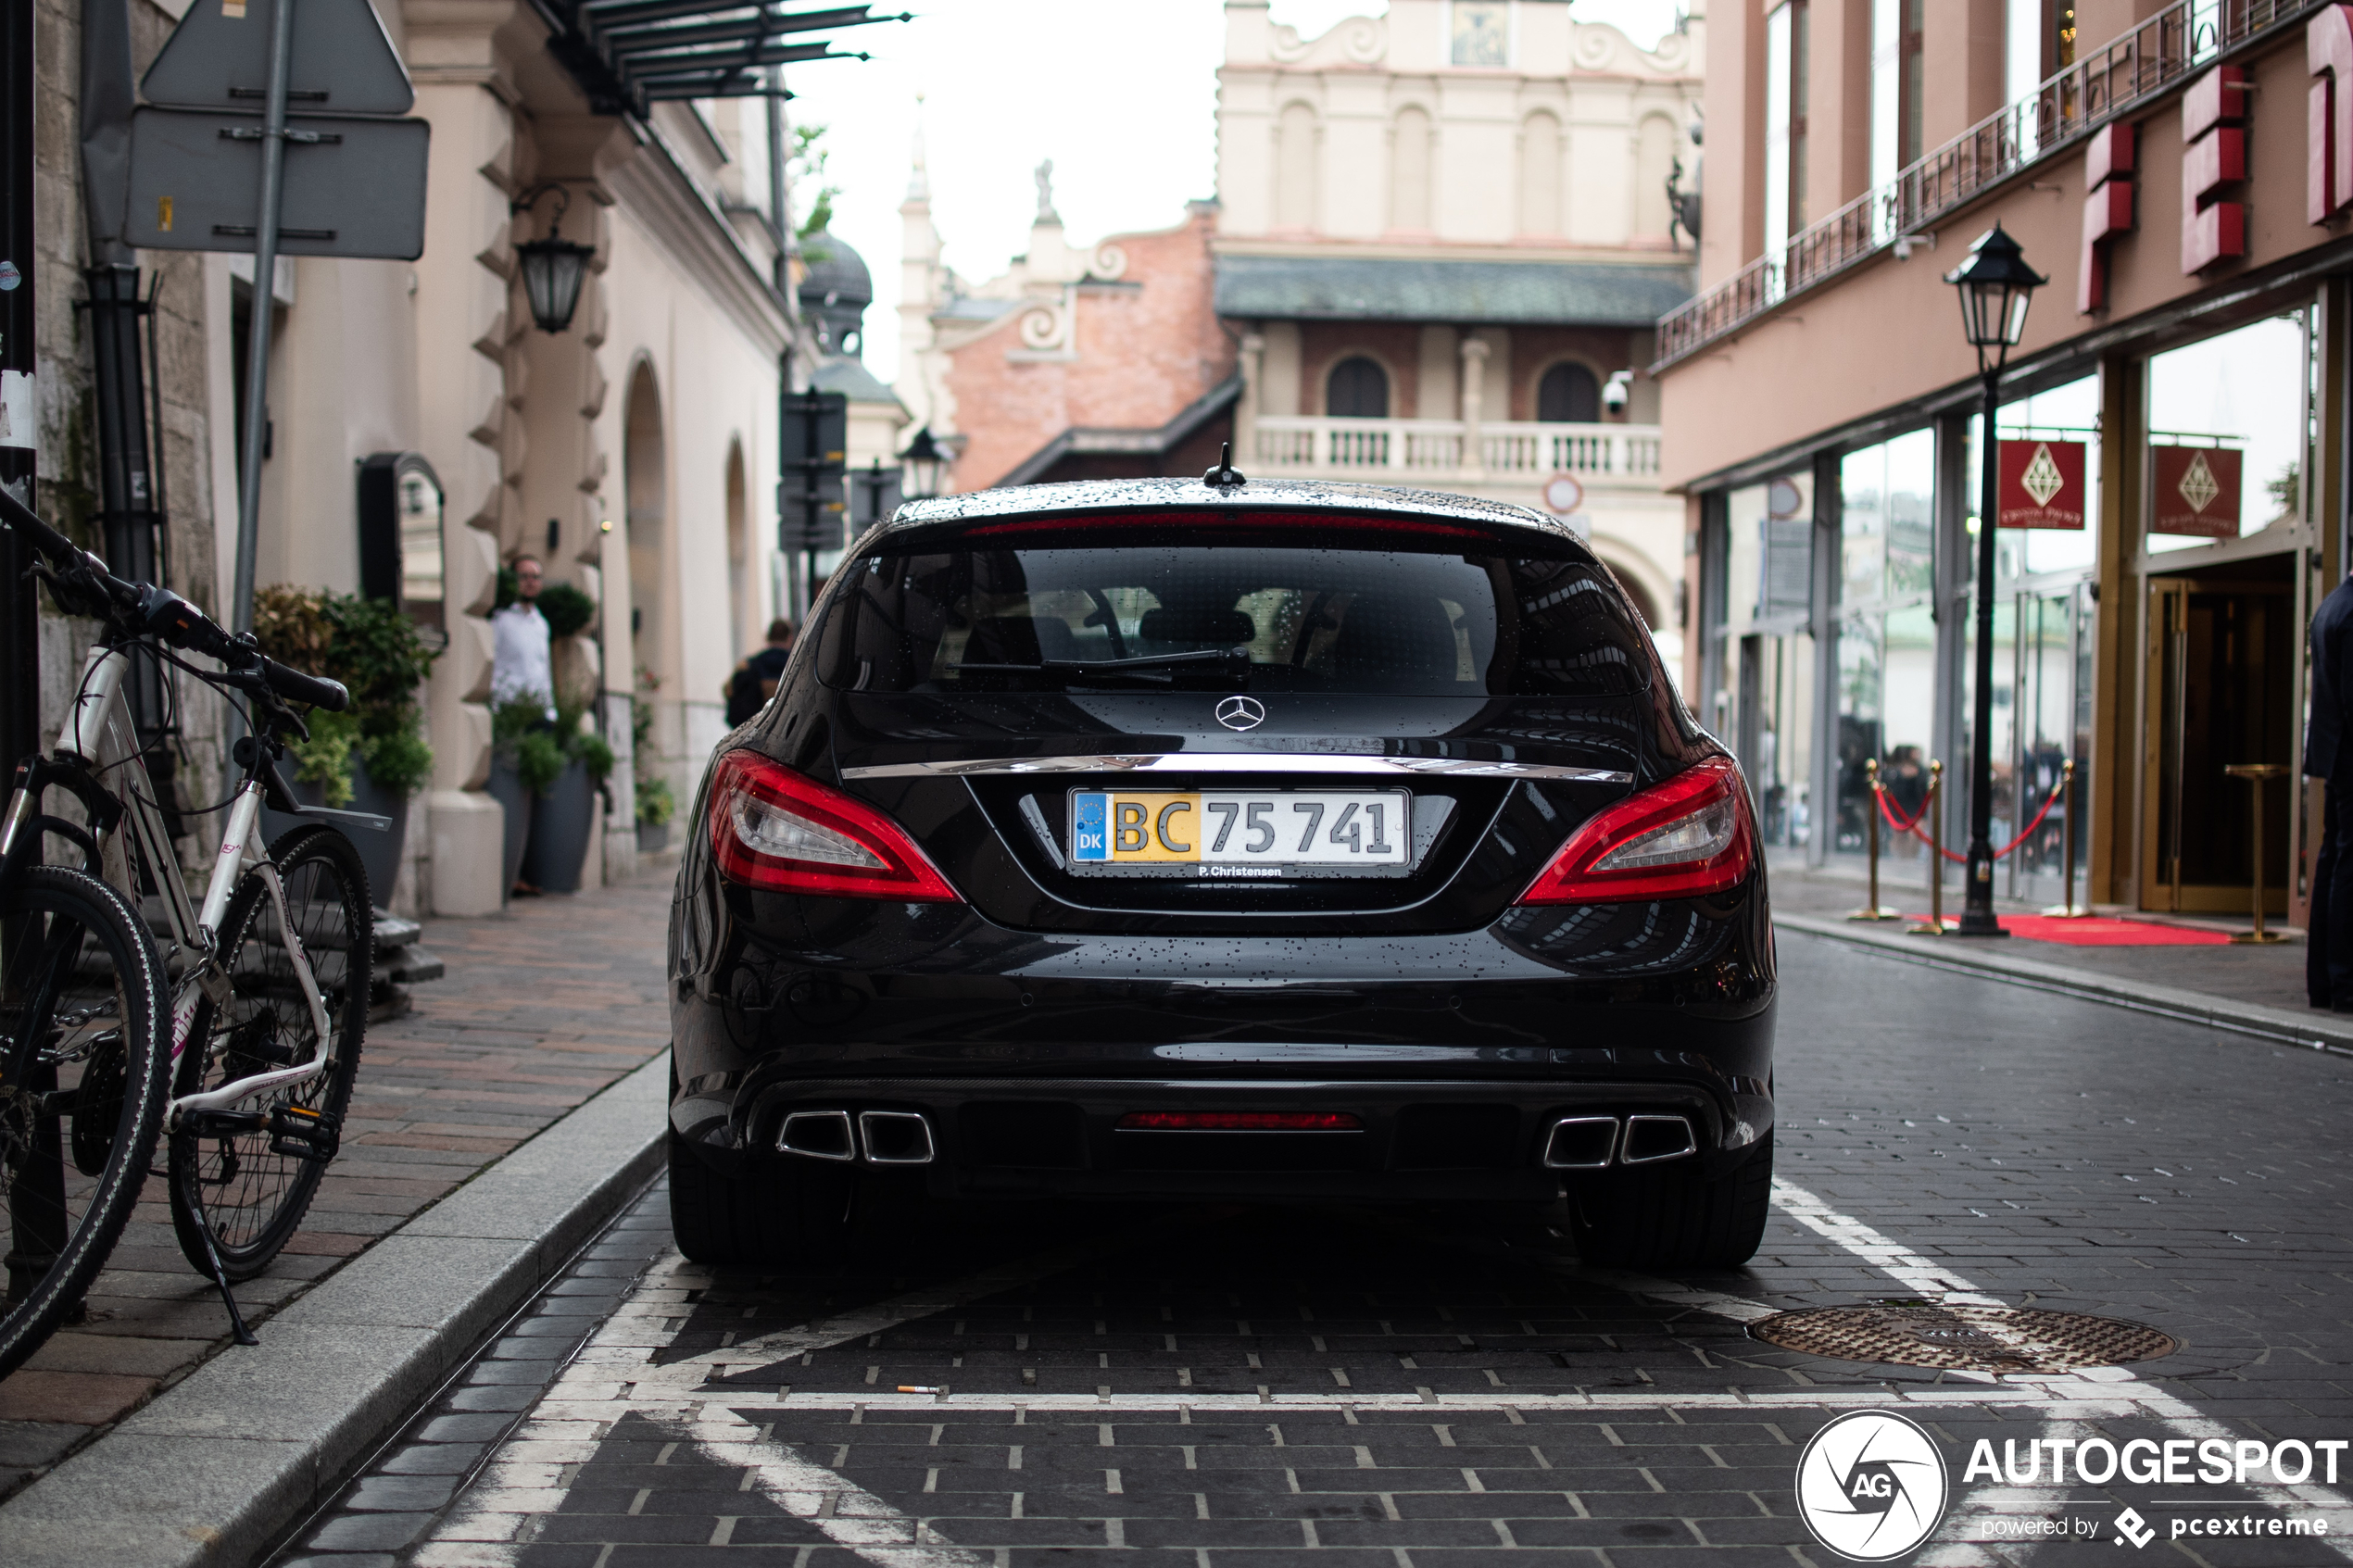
1163 725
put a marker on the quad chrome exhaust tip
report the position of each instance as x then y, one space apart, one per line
895 1138
880 1137
1593 1143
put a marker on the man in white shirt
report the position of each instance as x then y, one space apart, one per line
520 665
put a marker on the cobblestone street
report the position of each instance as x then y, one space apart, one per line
1020 1386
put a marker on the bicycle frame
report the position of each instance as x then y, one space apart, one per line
98 735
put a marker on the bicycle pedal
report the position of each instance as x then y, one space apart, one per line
305 1134
219 1123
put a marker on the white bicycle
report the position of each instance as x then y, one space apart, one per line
268 979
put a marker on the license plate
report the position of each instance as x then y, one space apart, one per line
1150 829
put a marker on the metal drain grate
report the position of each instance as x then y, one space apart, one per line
1964 1338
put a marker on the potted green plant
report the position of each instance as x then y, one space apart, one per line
656 806
525 759
371 758
564 812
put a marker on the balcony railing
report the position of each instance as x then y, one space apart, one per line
2156 55
1425 451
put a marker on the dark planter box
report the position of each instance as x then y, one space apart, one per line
561 822
505 787
652 837
379 852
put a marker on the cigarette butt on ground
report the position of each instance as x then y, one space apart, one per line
919 1388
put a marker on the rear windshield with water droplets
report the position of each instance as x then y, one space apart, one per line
1088 608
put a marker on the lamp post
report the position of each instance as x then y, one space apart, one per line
923 462
1996 287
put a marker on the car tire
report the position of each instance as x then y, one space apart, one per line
1675 1217
766 1214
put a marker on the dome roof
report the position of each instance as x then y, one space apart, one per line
834 268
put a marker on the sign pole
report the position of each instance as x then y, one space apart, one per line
264 281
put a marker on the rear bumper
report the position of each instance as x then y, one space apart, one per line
1423 1139
826 1006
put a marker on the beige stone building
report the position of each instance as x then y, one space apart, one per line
636 452
1440 241
1443 237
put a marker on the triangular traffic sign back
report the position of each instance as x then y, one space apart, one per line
219 59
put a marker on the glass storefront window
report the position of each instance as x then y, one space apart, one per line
2063 413
2242 394
1887 636
1765 677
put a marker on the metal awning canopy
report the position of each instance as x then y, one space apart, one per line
627 54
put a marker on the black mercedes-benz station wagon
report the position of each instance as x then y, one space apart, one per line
1222 839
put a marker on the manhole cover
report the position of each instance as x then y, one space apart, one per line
1964 1338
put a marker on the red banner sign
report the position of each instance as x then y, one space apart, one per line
2195 491
2042 484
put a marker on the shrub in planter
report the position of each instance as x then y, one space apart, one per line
373 757
566 610
574 761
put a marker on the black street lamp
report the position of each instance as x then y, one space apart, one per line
552 267
1995 285
877 485
924 462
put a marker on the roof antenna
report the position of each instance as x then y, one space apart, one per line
1224 476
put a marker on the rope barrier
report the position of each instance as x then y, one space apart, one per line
1889 810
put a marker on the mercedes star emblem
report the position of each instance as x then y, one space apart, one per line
1240 713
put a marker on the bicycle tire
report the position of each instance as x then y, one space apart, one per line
251 1199
81 954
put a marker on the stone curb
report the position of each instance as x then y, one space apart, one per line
208 1474
2318 1032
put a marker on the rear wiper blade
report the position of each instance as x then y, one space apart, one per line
1112 665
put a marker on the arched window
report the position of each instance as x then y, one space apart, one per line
1409 171
1569 396
1654 161
1357 389
1540 175
1295 162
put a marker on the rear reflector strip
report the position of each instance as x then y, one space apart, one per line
1241 1121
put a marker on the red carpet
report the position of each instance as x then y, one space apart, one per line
2100 931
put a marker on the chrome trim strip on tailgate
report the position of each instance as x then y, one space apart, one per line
1241 762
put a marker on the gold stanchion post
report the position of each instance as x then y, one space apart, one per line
1873 910
2258 774
2069 909
1934 924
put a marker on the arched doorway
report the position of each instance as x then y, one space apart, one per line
1569 395
646 488
1357 389
743 609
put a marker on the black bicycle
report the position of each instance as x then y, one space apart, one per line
246 1054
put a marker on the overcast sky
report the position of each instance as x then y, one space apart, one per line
1122 95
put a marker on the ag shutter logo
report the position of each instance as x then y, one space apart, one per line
1872 1485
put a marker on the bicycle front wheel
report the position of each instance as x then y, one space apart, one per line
84 1076
249 1187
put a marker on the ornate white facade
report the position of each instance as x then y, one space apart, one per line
1444 235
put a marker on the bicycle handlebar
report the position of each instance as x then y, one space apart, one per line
143 607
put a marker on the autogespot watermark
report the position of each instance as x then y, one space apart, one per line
1873 1486
2143 1462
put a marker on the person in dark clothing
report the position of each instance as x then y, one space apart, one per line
2328 754
755 679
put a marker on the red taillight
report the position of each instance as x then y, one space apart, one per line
783 832
1241 1121
1688 837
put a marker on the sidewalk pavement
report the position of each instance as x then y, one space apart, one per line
2246 989
543 1007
